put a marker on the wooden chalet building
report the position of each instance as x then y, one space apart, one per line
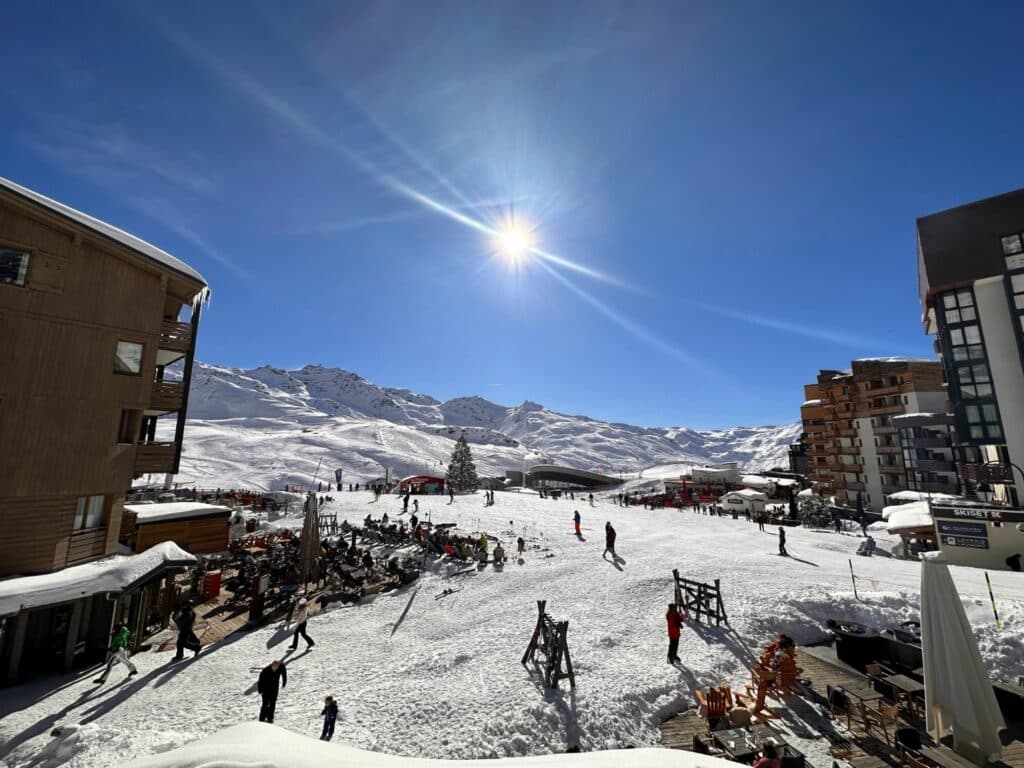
97 337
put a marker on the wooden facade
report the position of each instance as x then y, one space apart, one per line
201 535
71 427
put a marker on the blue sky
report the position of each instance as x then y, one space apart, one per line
724 193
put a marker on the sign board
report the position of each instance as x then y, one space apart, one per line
969 542
337 475
264 584
990 514
958 528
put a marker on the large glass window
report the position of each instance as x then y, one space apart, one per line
968 368
128 358
13 266
1012 245
89 513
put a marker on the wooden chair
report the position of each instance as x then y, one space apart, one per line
881 720
839 703
786 680
715 705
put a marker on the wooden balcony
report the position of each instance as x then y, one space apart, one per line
937 486
894 468
155 457
166 396
853 485
175 336
849 450
887 449
884 410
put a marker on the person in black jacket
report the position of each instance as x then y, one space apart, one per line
273 674
185 618
782 542
330 714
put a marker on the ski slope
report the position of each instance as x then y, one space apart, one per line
419 675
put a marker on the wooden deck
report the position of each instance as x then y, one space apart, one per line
855 747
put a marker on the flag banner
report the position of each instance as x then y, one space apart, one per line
337 475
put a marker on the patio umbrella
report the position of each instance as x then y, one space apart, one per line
958 692
309 550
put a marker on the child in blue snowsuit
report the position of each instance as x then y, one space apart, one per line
330 713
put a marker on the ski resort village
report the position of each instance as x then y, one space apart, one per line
222 548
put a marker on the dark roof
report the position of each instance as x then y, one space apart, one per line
962 244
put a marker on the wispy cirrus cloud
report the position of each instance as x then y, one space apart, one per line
138 175
840 338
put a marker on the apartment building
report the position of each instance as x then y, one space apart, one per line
97 338
970 262
851 440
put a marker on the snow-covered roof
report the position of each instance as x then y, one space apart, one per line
812 402
906 516
111 574
806 492
152 513
921 496
748 493
106 230
757 481
893 359
270 746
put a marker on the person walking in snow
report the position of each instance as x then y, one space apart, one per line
414 520
301 615
675 621
185 618
118 652
273 677
520 546
330 715
609 540
590 498
415 506
782 542
576 521
451 495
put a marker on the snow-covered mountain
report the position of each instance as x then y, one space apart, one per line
266 426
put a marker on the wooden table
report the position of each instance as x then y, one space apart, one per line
863 692
737 743
907 685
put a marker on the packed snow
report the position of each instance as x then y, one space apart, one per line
421 674
110 574
266 427
267 746
174 510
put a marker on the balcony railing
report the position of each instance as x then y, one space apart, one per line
897 468
884 410
934 465
987 473
853 485
887 449
936 486
155 457
931 442
175 336
166 396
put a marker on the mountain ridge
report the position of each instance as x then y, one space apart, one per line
364 428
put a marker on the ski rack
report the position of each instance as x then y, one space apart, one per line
549 638
698 598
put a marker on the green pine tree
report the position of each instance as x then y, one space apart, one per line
461 470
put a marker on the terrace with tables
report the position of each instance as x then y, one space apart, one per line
859 702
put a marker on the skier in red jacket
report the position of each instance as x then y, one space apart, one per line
675 621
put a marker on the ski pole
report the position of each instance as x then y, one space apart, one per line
993 601
854 580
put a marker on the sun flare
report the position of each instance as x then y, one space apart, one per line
514 241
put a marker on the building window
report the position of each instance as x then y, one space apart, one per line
1012 245
13 266
128 359
128 426
89 513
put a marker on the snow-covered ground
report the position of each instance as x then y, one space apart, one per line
264 427
415 675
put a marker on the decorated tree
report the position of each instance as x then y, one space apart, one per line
461 470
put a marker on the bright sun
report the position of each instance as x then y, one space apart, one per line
513 241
